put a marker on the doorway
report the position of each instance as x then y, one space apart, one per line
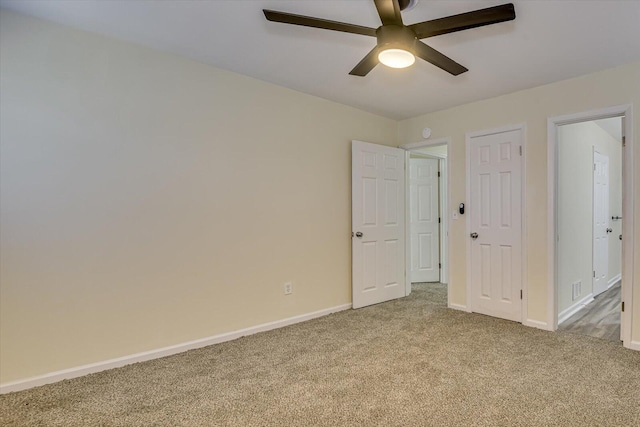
605 166
427 198
589 234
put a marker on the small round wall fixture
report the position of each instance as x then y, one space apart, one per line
426 133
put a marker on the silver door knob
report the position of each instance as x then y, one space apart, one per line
359 234
609 230
474 235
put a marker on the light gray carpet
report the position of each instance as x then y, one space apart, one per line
410 362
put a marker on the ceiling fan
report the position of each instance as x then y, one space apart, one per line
399 44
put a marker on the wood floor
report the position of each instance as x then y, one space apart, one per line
600 319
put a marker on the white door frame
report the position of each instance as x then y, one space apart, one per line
627 212
410 147
522 127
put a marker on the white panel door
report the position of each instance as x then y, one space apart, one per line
495 219
600 222
378 219
424 217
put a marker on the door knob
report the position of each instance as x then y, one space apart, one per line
359 234
609 230
474 235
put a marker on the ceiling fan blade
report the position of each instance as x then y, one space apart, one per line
389 11
464 21
431 55
325 24
367 64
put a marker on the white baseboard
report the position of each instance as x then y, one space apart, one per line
633 345
568 312
91 368
614 280
459 307
537 324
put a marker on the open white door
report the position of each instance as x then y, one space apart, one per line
495 214
424 217
378 220
601 227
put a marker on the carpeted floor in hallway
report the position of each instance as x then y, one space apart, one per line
409 362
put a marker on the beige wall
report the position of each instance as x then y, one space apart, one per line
576 143
149 200
533 106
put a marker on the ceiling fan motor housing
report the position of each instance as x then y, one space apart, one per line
395 37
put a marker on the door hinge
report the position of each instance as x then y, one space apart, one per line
520 293
520 150
438 220
624 141
594 273
439 265
438 174
622 306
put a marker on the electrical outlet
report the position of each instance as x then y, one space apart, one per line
288 288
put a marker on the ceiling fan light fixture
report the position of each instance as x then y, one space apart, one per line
398 44
396 58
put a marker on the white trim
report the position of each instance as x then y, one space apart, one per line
537 324
425 143
634 345
552 202
522 127
502 129
407 225
573 309
625 111
409 147
427 156
628 236
524 282
459 307
468 217
91 368
443 192
614 280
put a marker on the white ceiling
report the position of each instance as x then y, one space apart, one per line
547 42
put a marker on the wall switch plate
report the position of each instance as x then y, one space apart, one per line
288 288
455 214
